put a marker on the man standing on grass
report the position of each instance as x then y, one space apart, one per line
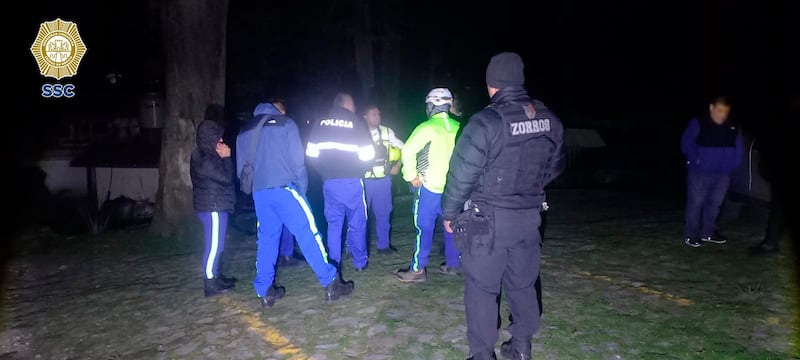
341 149
714 149
270 145
502 162
286 249
378 180
426 157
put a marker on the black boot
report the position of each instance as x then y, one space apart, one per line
338 289
484 356
275 292
214 287
227 281
764 249
513 350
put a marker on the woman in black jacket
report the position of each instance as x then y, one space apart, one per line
214 198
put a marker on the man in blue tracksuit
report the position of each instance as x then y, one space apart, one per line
279 185
286 249
714 149
340 148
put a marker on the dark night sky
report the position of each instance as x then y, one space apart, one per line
639 64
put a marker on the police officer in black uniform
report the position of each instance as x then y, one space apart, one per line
505 156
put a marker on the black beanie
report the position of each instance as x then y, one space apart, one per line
504 70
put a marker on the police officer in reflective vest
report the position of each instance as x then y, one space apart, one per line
505 156
341 150
378 180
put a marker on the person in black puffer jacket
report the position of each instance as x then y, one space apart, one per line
214 198
506 156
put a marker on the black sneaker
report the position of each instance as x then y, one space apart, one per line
693 242
508 351
338 289
287 261
717 238
763 249
213 287
387 251
483 356
274 293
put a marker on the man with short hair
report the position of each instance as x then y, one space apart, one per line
506 155
378 180
714 149
340 148
279 185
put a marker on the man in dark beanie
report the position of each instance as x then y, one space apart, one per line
505 70
506 155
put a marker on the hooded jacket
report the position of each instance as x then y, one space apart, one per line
212 176
427 151
279 159
340 146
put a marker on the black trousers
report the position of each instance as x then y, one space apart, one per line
513 266
538 284
542 226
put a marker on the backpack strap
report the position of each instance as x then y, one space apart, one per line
256 137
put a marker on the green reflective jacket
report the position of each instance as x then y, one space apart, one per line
427 152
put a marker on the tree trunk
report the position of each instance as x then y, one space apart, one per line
390 77
364 63
364 55
194 39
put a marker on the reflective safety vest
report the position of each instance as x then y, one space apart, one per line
382 155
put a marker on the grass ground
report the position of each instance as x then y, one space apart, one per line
618 284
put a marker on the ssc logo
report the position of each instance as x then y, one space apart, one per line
58 90
58 49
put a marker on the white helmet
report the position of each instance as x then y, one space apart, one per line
439 96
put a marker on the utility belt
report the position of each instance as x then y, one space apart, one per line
473 229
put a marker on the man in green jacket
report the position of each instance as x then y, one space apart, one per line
426 159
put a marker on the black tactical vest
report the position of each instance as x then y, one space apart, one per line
517 169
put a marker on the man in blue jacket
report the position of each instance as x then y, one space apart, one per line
714 149
340 148
286 249
279 185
